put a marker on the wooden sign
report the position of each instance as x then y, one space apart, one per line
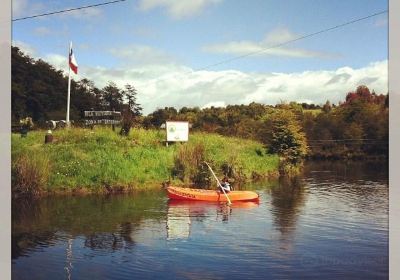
102 121
102 113
100 117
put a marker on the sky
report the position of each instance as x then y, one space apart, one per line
196 53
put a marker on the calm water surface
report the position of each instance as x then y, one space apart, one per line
331 223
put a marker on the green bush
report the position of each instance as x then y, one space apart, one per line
189 165
284 136
30 174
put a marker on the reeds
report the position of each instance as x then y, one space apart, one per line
189 165
30 174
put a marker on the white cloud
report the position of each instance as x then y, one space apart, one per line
177 9
21 8
25 48
18 6
42 31
279 35
381 22
214 104
179 86
58 61
141 54
174 85
261 48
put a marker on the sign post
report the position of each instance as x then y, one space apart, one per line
177 131
102 117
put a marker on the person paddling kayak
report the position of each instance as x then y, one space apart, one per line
225 185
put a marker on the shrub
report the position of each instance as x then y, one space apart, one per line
284 136
189 165
30 174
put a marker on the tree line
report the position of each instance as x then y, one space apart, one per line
356 127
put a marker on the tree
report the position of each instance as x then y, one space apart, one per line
283 135
131 111
130 95
387 101
160 116
327 107
363 94
112 97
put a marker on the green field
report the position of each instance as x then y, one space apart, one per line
314 112
101 160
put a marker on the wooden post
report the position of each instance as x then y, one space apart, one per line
48 138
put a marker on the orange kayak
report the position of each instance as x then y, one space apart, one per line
209 195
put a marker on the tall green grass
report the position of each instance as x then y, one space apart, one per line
30 173
101 160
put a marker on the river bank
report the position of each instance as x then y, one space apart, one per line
102 161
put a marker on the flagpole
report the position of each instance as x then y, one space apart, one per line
69 85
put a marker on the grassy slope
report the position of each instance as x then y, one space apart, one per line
92 159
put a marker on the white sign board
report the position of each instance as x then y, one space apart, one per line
177 131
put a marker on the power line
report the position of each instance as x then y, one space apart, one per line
289 41
277 45
69 10
344 140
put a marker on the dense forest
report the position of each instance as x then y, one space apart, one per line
356 127
39 91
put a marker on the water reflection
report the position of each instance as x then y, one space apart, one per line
68 263
121 238
181 214
223 212
347 171
178 221
331 222
110 227
287 201
108 242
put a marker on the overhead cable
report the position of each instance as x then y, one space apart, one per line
69 10
289 41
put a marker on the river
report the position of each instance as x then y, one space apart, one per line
329 223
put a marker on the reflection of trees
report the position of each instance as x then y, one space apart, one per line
287 200
112 241
107 241
22 243
126 232
359 184
107 223
348 171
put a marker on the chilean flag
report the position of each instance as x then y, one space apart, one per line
72 62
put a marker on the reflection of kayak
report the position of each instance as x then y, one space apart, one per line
197 204
209 195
